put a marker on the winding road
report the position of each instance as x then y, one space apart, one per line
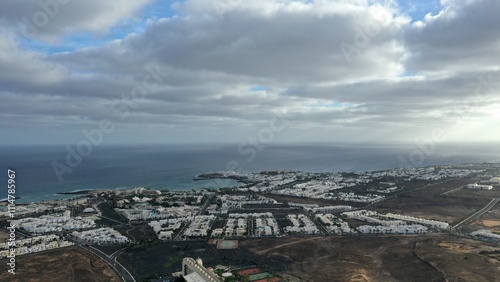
120 270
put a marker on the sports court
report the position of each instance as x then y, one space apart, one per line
227 244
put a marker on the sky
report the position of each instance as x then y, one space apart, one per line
262 71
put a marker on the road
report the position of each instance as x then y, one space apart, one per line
452 190
205 205
318 223
202 211
119 222
287 244
476 214
122 272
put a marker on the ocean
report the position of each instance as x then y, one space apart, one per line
173 167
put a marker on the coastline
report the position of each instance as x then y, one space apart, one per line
184 186
176 169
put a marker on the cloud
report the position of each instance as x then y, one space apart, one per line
398 80
49 20
463 36
20 68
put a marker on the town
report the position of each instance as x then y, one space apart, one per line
269 204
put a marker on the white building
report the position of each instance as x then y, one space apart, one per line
49 223
486 233
495 180
400 220
199 226
476 186
400 229
104 235
301 224
34 244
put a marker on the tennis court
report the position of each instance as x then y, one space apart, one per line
227 244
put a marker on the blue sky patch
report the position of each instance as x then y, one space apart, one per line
417 9
258 89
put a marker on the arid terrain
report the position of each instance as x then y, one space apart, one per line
70 264
433 202
4 235
489 220
384 258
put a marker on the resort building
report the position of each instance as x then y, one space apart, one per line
194 271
